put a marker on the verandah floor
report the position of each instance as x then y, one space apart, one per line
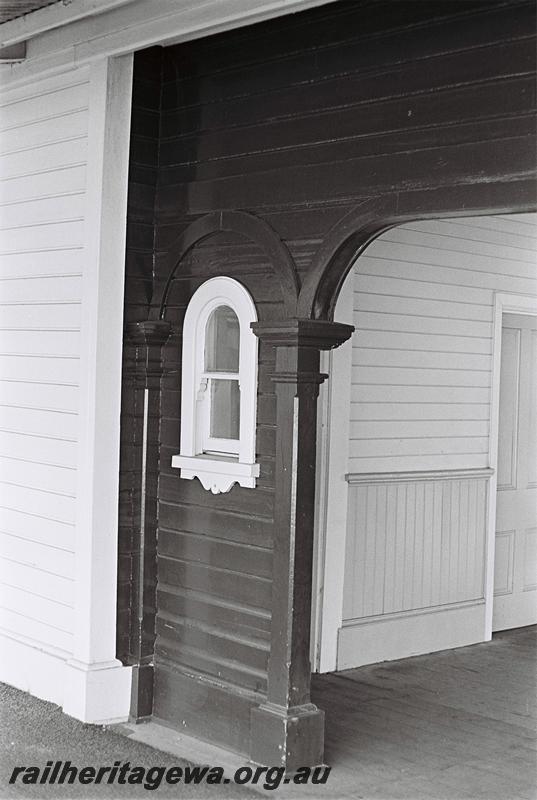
461 724
456 724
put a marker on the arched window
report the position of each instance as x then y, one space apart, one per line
219 387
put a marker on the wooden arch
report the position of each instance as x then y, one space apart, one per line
356 230
247 225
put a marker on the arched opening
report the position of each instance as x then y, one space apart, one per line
427 448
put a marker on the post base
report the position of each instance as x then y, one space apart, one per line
141 692
98 693
287 737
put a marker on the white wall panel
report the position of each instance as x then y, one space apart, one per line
46 158
414 545
52 505
43 132
504 562
414 565
42 210
43 368
39 476
54 289
421 382
36 580
47 183
36 316
58 424
426 376
46 99
429 411
463 269
53 613
507 437
34 631
31 527
48 557
40 342
423 312
43 449
421 341
530 559
59 397
43 151
532 426
44 263
67 233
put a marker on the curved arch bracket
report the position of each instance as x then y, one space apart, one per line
343 243
249 226
351 235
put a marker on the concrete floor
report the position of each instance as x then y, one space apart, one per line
33 732
455 725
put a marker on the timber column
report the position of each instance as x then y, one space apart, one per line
143 371
288 729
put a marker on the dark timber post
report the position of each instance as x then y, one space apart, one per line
288 729
142 376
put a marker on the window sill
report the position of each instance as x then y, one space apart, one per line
217 473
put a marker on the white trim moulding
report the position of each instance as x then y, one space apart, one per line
504 303
355 478
411 612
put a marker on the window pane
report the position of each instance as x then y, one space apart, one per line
222 341
225 409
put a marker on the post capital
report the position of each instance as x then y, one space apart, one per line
145 340
318 334
148 333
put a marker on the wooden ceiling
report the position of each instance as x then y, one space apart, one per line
10 9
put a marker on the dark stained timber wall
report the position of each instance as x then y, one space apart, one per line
297 121
215 551
139 269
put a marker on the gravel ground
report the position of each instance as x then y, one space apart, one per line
33 732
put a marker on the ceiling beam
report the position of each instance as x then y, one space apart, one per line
13 52
135 25
54 16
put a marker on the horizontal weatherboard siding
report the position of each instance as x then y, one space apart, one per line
422 350
43 150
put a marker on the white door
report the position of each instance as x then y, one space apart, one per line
515 567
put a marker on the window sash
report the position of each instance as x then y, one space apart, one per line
212 444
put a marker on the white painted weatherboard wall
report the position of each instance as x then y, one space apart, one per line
55 145
422 351
422 361
43 154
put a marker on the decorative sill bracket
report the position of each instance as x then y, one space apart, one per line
216 474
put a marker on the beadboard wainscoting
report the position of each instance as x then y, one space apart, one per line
414 566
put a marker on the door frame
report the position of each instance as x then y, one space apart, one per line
503 304
331 468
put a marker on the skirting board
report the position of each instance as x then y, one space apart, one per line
207 709
410 634
96 695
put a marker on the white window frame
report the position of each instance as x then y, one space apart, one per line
230 461
204 377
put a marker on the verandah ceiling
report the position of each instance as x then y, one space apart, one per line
11 9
